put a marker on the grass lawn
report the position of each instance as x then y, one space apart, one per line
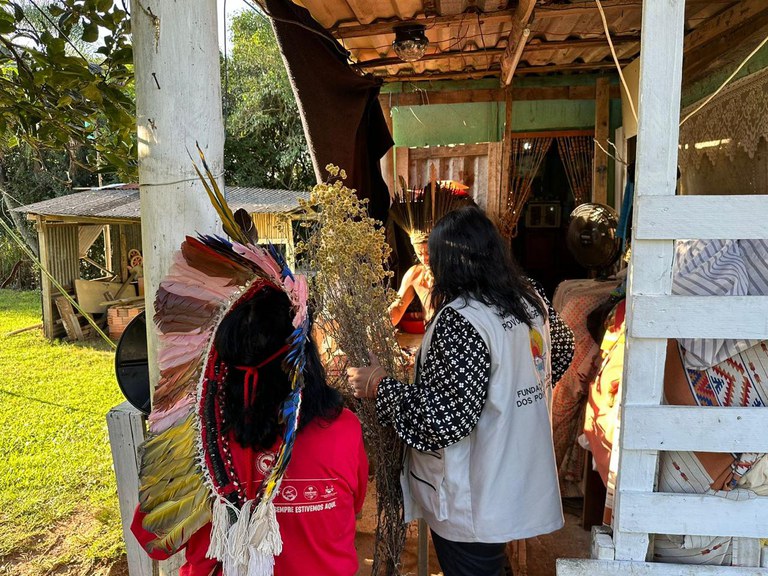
58 500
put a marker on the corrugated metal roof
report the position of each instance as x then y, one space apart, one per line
122 202
469 36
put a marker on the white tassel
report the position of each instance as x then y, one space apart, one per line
218 547
248 546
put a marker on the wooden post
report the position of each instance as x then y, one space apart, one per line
45 282
178 103
650 269
506 150
493 199
123 253
388 160
125 425
600 164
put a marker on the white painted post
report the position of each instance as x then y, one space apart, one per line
125 425
178 103
650 273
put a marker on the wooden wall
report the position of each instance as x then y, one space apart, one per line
476 165
59 253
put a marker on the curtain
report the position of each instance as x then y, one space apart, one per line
577 153
526 156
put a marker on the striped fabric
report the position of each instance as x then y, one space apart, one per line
719 268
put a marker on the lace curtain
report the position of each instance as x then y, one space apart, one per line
724 147
526 156
577 154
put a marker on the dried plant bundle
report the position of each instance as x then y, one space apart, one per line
349 254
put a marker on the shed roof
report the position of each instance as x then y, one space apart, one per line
469 38
121 202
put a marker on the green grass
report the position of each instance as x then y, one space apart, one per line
54 448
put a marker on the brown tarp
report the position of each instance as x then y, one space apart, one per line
339 108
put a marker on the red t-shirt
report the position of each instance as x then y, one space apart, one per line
322 491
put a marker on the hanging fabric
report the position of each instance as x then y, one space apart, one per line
526 156
577 153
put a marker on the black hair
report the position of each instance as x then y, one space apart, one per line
469 258
250 334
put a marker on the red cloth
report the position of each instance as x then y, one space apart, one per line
324 487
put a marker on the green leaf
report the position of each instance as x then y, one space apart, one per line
92 92
90 32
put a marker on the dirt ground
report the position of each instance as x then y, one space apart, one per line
570 542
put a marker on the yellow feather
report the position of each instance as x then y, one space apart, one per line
180 533
168 515
152 495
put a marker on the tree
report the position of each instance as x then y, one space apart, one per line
265 144
65 81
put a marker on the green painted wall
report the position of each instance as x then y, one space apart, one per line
705 87
442 124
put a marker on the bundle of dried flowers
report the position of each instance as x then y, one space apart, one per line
350 293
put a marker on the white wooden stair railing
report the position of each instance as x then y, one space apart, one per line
653 316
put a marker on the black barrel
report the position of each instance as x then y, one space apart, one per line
131 364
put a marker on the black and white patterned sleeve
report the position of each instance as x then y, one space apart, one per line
561 338
444 405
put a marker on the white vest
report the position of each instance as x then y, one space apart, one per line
500 482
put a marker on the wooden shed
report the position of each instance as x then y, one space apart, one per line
68 226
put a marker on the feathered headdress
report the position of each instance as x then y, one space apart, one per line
417 211
187 477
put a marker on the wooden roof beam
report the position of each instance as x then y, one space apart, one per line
394 60
491 52
380 27
494 69
518 37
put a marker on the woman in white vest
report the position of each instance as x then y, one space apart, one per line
480 467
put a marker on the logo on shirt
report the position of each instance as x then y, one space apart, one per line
289 493
265 461
539 353
311 493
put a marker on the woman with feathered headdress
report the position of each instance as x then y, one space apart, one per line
416 211
251 464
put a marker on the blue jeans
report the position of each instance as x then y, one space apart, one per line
469 558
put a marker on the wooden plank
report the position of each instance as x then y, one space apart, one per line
577 67
382 27
694 514
579 44
587 9
695 428
471 74
609 568
600 162
743 317
123 252
738 217
449 151
125 425
493 200
45 282
402 163
651 261
517 39
732 18
728 48
551 133
395 60
506 151
69 319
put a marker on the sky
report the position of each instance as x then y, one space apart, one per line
233 7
